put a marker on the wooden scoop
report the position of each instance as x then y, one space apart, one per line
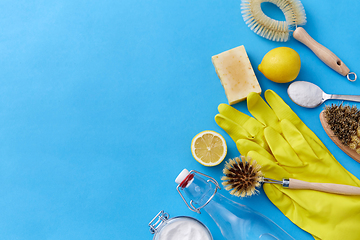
352 153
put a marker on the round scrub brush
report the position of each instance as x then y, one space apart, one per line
280 31
269 28
243 176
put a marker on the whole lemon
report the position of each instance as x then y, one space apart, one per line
281 65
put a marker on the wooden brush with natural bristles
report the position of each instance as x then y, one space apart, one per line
280 31
342 124
243 176
270 28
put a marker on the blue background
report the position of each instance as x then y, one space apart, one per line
99 102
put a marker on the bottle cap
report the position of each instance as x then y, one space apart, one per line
184 173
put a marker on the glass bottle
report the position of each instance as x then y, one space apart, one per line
236 221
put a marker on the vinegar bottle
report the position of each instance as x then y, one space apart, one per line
236 221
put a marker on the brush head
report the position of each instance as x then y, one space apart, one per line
242 176
270 28
344 122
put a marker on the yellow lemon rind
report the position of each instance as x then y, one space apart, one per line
221 158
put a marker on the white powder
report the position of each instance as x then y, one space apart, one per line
305 94
184 229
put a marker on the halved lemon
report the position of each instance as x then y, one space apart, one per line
209 148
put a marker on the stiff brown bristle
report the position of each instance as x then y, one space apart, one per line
242 176
344 122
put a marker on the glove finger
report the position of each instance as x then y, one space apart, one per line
262 112
298 143
250 124
319 149
336 173
232 113
280 108
269 166
313 154
245 145
283 111
280 148
234 130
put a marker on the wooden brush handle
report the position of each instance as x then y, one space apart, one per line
324 187
328 57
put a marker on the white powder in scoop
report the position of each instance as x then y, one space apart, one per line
305 94
184 229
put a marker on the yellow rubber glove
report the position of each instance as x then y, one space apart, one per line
239 125
277 111
294 151
324 215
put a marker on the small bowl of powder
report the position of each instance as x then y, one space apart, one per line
178 228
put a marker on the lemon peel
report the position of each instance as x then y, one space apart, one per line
209 148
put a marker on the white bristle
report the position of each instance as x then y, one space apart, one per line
270 28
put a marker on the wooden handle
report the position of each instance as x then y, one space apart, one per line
328 57
324 187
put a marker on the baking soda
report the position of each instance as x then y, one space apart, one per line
184 229
306 95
